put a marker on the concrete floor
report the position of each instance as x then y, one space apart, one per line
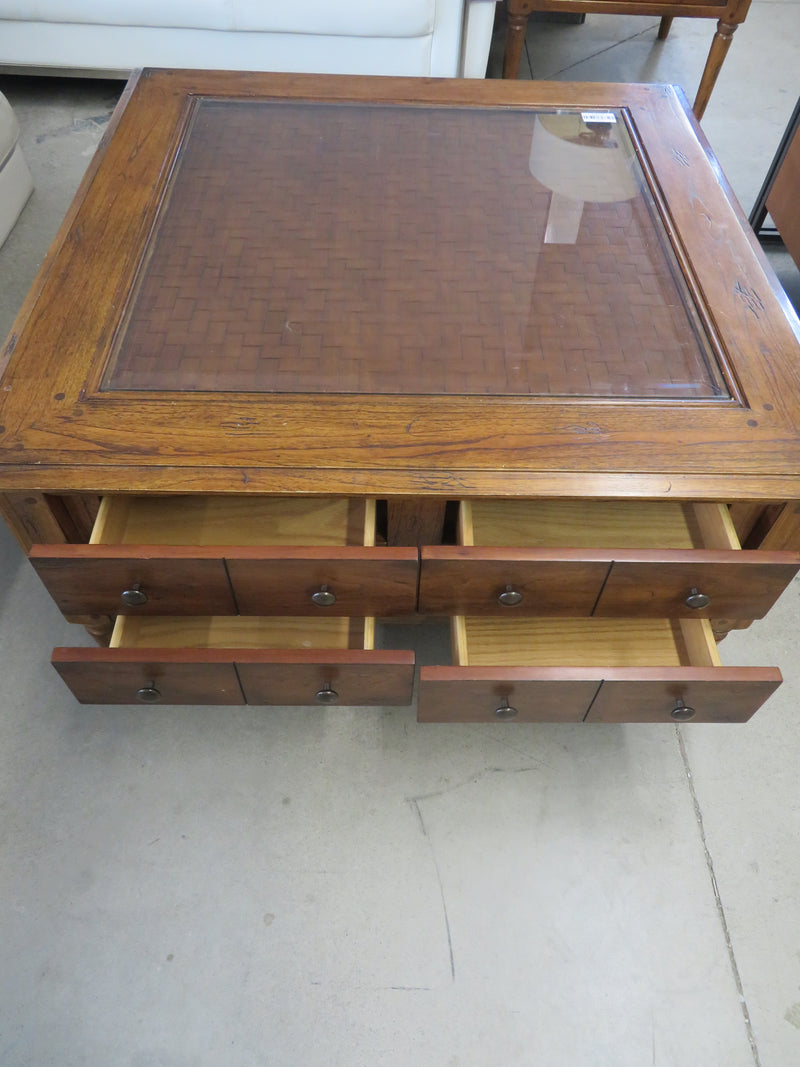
211 886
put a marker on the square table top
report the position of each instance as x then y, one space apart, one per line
284 283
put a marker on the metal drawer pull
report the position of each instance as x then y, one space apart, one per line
697 600
326 695
148 693
510 597
134 596
505 711
682 712
323 598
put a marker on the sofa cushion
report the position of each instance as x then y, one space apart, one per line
349 18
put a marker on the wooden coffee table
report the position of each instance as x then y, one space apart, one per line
309 351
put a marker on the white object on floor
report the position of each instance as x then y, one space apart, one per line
16 184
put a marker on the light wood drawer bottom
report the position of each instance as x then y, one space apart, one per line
230 555
600 558
575 670
237 660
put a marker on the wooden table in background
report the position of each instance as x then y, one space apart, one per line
729 13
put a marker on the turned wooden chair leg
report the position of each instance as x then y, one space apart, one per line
515 39
716 57
664 27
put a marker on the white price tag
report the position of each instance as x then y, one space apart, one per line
598 116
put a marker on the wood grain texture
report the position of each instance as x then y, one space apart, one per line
88 579
235 676
104 676
218 632
470 581
367 581
394 445
415 521
223 580
309 521
739 584
595 643
449 695
379 680
609 524
563 694
724 695
649 583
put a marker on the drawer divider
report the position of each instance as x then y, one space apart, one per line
231 586
594 698
602 587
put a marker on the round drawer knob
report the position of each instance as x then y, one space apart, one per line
682 712
148 693
697 600
505 712
510 597
326 695
323 597
134 596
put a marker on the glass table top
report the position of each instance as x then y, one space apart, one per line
388 249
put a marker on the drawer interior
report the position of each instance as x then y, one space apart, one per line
241 631
235 520
610 524
480 641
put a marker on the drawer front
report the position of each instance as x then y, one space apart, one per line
320 678
95 579
236 676
698 584
711 694
475 581
346 581
611 695
513 694
133 676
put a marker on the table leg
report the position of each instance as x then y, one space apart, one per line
716 57
98 627
734 14
664 28
518 11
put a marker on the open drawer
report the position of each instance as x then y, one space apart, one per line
578 558
595 670
223 660
227 555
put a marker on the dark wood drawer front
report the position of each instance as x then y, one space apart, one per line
236 676
712 694
112 580
134 676
513 694
345 581
320 678
698 584
475 581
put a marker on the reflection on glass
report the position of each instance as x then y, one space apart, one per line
324 248
580 162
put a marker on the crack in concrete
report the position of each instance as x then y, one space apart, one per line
751 1037
416 807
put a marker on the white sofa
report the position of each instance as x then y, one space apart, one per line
15 178
438 38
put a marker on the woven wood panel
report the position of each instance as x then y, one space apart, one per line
328 248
